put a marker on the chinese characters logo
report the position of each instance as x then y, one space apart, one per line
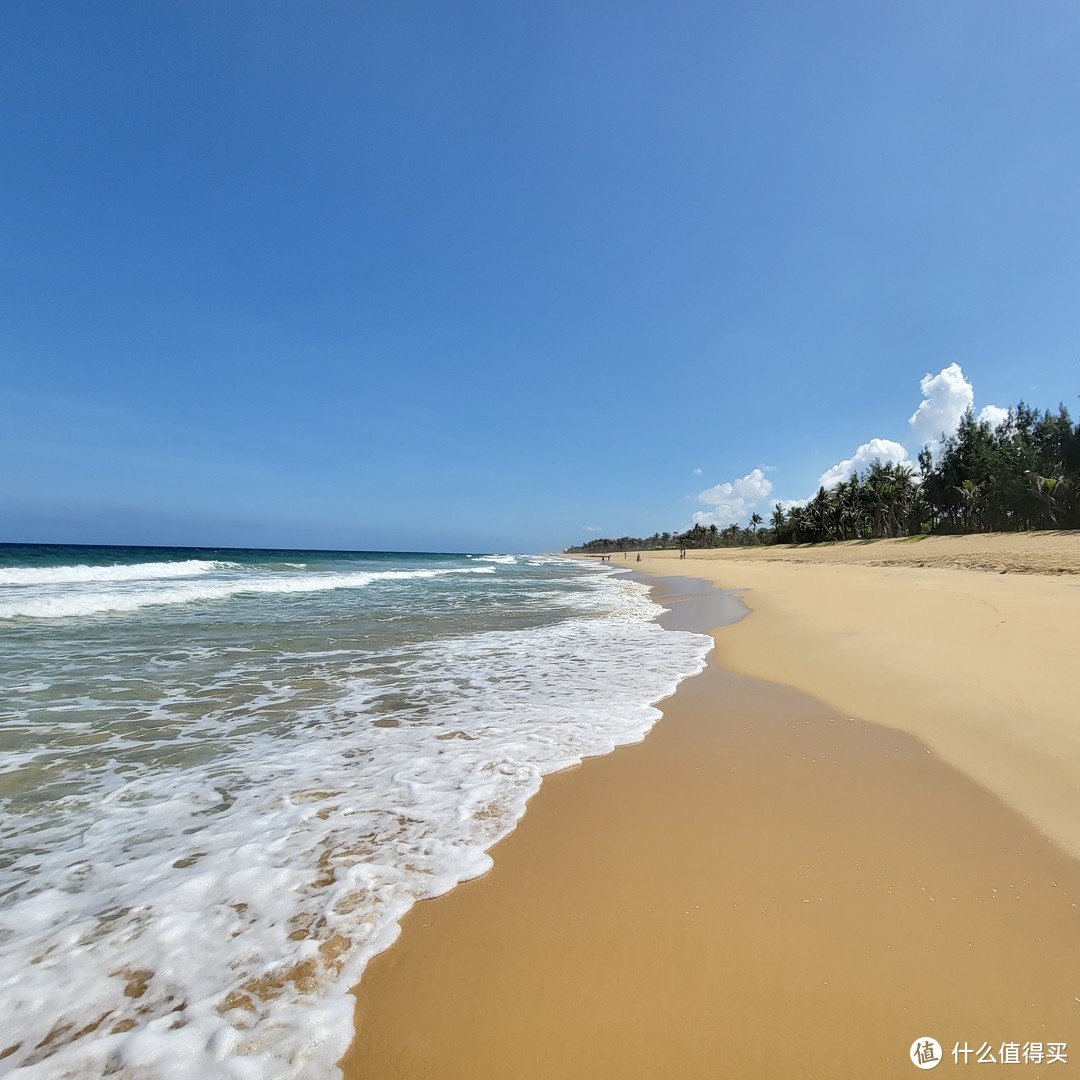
925 1053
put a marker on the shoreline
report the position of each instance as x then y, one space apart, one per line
760 871
978 665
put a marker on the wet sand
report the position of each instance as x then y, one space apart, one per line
763 888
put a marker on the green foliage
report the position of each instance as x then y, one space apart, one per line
1023 474
698 536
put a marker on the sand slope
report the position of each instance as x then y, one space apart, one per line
984 667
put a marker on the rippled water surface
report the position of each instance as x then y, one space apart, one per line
225 775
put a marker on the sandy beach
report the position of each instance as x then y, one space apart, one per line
969 643
854 829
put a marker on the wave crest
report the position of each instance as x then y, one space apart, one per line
80 573
71 602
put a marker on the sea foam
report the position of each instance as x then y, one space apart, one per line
150 590
65 575
208 902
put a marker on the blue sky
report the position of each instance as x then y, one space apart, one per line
479 275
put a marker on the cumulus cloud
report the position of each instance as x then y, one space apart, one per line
593 528
884 450
733 501
995 415
946 397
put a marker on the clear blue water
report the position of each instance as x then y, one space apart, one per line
226 774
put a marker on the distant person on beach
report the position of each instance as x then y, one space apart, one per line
682 553
639 556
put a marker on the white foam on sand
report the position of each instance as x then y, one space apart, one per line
211 916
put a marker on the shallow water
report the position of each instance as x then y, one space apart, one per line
226 775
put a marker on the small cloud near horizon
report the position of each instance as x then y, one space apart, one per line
593 528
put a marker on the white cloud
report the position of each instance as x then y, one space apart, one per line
593 528
994 414
884 450
733 501
946 397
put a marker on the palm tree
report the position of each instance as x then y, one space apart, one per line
904 475
819 505
837 501
777 521
1049 490
971 497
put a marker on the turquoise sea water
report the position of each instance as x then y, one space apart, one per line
225 775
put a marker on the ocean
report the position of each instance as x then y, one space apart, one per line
225 775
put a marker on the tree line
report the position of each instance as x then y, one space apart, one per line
1023 473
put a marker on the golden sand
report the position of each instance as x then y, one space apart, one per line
982 666
1017 553
763 888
